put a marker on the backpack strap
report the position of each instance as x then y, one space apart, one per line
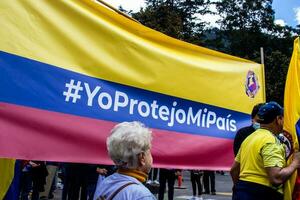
117 191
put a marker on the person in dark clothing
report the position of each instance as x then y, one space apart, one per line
80 180
76 180
167 175
243 133
196 181
209 179
50 185
65 176
92 178
26 180
39 174
93 173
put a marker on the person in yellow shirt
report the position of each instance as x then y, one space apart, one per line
259 169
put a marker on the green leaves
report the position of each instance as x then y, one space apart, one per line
176 18
245 26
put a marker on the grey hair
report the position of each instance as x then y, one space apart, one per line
126 141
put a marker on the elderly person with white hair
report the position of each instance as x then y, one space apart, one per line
129 147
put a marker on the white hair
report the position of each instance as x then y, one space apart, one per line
126 141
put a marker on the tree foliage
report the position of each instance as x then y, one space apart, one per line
245 26
249 15
176 18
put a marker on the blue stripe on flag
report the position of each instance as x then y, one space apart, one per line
35 84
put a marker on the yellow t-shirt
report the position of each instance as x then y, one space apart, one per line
259 150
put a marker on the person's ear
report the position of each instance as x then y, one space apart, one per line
279 120
142 159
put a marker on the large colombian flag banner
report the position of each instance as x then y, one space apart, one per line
292 117
71 70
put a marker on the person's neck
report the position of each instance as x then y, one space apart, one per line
269 128
139 175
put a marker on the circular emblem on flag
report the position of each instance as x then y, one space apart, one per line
251 84
287 140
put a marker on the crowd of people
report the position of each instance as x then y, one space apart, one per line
39 180
259 170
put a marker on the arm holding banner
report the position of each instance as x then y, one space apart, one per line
278 176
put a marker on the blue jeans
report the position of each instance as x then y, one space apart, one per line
245 190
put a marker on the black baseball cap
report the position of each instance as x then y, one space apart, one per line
268 112
255 110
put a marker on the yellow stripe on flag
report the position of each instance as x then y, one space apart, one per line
292 110
86 37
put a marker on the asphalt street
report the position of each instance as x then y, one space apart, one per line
223 188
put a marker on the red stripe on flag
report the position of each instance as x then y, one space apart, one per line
34 134
188 151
